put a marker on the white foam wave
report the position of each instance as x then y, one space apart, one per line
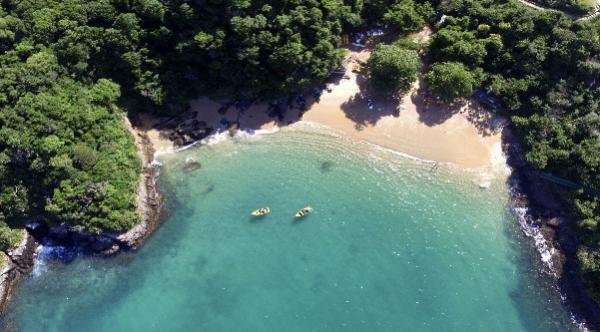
398 153
324 129
532 230
44 254
580 325
222 135
40 263
498 158
546 251
314 125
319 126
185 147
257 132
483 178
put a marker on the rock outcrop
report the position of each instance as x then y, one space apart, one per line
17 262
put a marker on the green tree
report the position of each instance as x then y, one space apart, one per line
451 80
9 238
404 16
393 69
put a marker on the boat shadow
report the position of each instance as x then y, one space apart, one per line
297 221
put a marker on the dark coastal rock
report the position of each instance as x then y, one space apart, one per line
177 141
182 140
38 229
19 261
233 128
22 256
74 240
548 211
191 165
185 129
57 235
554 222
102 243
201 133
187 134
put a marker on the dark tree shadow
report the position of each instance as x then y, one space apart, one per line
432 110
357 107
365 108
486 122
205 117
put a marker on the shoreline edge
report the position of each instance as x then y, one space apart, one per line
16 262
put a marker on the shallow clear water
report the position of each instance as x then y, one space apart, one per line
391 246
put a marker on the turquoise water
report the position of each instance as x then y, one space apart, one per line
391 246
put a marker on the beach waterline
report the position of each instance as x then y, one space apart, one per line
392 245
468 136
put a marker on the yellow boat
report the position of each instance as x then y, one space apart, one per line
304 212
261 212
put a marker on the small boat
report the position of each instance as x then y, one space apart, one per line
304 212
261 212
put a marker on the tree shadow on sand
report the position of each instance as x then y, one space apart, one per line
357 108
206 116
432 111
437 111
486 122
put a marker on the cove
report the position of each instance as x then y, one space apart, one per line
391 246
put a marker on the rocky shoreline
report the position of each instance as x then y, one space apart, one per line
544 210
148 201
17 262
20 260
542 207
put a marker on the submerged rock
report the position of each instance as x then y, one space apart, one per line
233 128
191 165
326 166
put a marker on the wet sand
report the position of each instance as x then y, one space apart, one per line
462 136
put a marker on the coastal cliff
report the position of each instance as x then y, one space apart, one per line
148 200
16 262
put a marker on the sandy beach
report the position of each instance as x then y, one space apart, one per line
457 135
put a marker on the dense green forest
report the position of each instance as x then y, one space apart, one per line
71 68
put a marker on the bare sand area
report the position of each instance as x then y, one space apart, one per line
464 135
